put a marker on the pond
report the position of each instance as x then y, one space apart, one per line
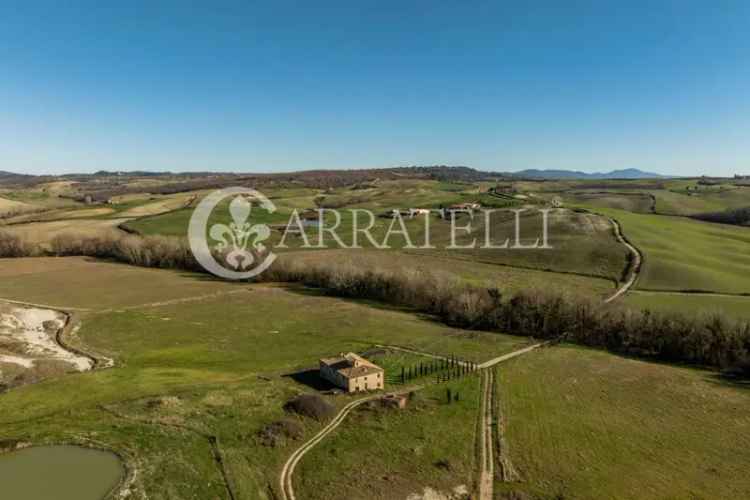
59 473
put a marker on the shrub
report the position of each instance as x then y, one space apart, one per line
11 245
310 405
272 434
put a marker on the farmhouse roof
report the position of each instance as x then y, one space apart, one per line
351 365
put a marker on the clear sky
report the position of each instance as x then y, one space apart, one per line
278 86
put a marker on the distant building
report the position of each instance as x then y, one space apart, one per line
397 401
352 373
413 212
469 207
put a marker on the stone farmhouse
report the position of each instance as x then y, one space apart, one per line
352 373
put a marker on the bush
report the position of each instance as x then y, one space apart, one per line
310 405
737 217
12 245
272 434
150 251
740 370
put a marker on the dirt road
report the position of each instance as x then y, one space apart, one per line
287 488
635 263
487 446
487 471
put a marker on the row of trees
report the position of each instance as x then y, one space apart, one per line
737 217
708 339
445 368
705 339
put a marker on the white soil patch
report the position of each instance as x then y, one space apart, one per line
458 493
30 336
17 360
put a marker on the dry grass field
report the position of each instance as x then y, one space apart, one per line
8 206
42 233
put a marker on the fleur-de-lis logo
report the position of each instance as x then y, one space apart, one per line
233 239
238 244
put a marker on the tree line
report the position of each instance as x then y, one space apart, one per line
444 369
706 339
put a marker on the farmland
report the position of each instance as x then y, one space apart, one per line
176 364
585 424
683 254
193 372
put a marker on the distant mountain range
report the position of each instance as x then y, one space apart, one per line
439 172
628 173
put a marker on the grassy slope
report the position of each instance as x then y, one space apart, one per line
735 307
704 199
386 454
78 282
509 279
632 202
586 424
581 243
683 254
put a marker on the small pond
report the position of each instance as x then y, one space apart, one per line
59 473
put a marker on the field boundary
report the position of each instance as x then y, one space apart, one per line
124 227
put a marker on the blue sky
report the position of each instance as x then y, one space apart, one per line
279 86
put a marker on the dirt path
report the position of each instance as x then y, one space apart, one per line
287 488
635 263
487 459
510 355
487 445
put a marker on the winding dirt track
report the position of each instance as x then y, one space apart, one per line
287 488
635 265
287 471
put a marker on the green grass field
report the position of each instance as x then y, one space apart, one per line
684 254
589 425
734 307
701 199
187 369
387 454
638 202
509 279
581 243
